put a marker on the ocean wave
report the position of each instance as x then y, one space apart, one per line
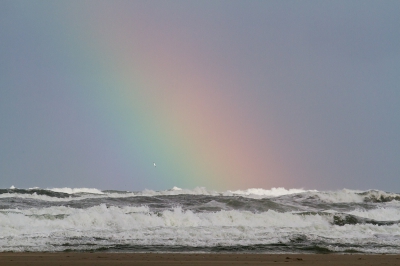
262 193
292 195
60 228
380 213
191 220
345 196
76 190
65 194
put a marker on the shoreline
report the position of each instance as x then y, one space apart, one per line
192 259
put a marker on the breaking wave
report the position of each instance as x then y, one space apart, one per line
199 220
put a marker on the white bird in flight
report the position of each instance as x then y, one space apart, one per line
154 164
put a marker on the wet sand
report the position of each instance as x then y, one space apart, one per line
149 259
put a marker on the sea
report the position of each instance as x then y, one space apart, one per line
199 220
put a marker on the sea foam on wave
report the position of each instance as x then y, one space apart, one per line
379 214
128 217
259 192
351 196
76 190
113 219
251 192
339 196
50 228
231 218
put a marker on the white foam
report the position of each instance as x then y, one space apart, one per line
44 229
48 229
76 190
347 195
379 214
273 192
344 195
35 196
250 193
178 191
339 196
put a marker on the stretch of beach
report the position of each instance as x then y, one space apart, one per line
149 259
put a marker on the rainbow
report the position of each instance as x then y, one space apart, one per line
155 98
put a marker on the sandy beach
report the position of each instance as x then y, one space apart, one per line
148 259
